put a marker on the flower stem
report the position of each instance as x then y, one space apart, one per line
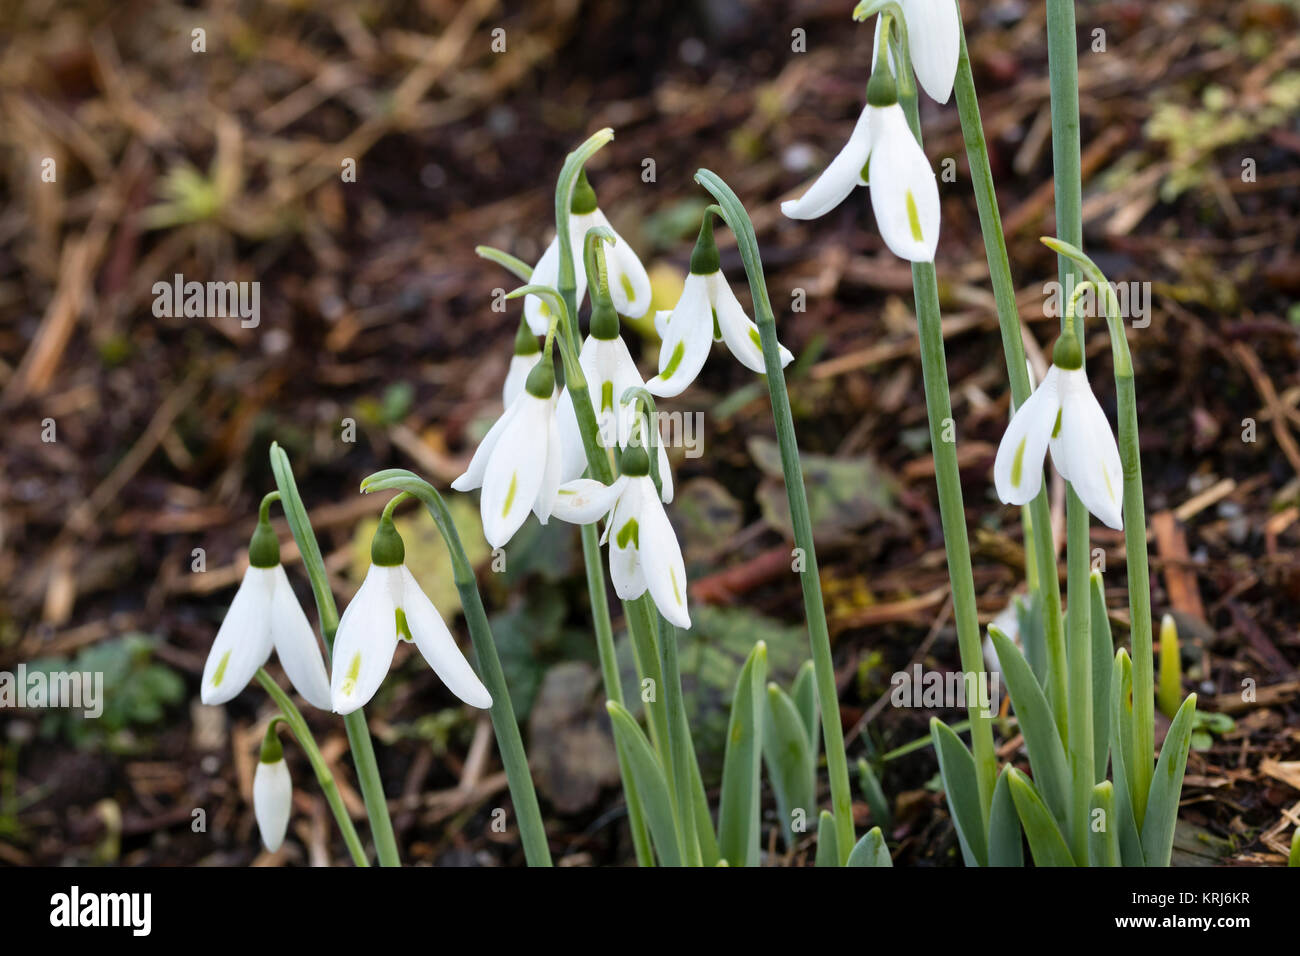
1004 294
511 746
302 733
681 753
363 750
837 766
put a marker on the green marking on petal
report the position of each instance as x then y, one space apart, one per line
220 675
606 396
1110 490
510 494
677 591
755 337
403 628
350 679
717 329
914 218
674 361
865 175
626 283
1056 429
629 532
1018 463
545 310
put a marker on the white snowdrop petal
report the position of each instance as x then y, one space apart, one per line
739 331
295 644
473 476
431 636
661 322
688 339
272 802
840 177
665 475
934 36
550 472
517 376
573 456
904 192
661 559
365 641
537 311
1018 467
1088 447
629 283
243 642
516 470
623 533
586 500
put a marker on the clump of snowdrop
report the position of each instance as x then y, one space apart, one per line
707 310
883 154
390 606
272 791
264 614
1063 414
629 284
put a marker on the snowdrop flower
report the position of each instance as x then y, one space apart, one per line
264 614
390 605
525 359
643 549
1064 415
707 310
629 284
272 792
933 44
518 463
610 372
904 193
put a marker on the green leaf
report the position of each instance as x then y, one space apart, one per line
789 760
1045 841
1103 654
1103 827
870 850
651 785
1037 724
827 853
1121 758
1033 633
1293 860
738 817
804 692
1166 787
957 767
1005 844
875 796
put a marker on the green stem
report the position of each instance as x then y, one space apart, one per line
1079 643
363 751
837 766
509 743
1004 294
681 754
302 733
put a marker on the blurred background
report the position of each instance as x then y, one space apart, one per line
135 445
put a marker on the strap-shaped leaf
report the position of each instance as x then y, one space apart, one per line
1103 827
651 785
789 760
1103 656
827 853
1046 753
870 850
1033 633
875 796
957 768
703 821
738 818
1006 848
1045 841
804 693
1121 758
1167 786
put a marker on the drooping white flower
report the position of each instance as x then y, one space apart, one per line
518 463
524 360
610 371
264 614
643 549
904 192
390 605
272 793
707 309
1062 414
934 44
629 284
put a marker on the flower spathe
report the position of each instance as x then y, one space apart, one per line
518 463
390 605
643 549
707 308
629 283
934 44
264 614
1062 414
904 192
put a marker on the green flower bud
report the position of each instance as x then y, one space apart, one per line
264 546
704 258
584 197
541 380
386 548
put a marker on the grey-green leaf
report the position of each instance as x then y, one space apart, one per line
1045 841
789 760
651 785
1103 654
738 818
875 796
870 850
1103 827
957 768
1167 786
1006 848
827 849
